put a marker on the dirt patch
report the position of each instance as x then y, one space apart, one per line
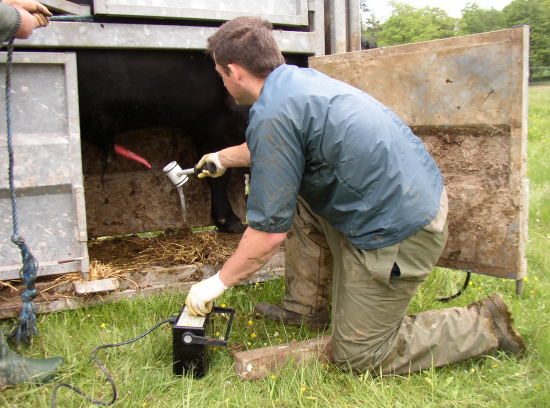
483 206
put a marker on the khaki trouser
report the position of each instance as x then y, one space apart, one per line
370 330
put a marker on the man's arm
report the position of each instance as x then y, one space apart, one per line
254 251
31 15
236 156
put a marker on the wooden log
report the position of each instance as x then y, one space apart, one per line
102 285
259 363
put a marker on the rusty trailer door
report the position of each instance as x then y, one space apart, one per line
466 98
47 166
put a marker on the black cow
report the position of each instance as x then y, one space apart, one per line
120 91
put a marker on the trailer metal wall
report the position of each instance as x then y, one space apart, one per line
466 97
51 190
48 169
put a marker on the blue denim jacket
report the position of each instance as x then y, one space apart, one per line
351 158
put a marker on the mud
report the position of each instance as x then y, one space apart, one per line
483 211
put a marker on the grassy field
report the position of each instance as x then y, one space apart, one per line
143 374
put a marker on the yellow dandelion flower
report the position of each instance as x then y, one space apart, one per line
250 323
495 366
272 377
253 335
223 304
304 389
102 325
249 343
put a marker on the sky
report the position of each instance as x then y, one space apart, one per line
452 7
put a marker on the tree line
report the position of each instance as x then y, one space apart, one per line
408 24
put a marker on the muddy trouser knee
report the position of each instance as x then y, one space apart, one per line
370 329
308 265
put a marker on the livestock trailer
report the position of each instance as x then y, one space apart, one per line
465 97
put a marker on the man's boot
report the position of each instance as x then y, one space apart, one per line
494 308
277 313
15 369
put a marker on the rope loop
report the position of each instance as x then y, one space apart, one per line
17 240
29 295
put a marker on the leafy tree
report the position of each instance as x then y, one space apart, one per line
536 13
477 20
370 27
408 24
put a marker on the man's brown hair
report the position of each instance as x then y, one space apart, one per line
249 42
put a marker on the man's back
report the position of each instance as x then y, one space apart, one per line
351 158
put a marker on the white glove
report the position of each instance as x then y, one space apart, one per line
201 296
211 158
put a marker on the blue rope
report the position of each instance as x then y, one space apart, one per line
72 18
26 329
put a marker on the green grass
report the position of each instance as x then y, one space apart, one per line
143 374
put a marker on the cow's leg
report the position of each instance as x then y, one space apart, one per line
222 212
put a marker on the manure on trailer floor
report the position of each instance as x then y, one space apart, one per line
118 257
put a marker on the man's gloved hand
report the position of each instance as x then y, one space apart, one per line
200 297
211 158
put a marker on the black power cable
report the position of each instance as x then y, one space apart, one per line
460 291
171 320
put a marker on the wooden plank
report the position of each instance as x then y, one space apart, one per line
102 285
260 363
139 284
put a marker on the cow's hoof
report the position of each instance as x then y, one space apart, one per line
236 227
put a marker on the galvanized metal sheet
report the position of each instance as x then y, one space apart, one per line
47 165
287 12
147 36
466 97
68 7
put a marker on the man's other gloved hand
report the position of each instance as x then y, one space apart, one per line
201 296
211 158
